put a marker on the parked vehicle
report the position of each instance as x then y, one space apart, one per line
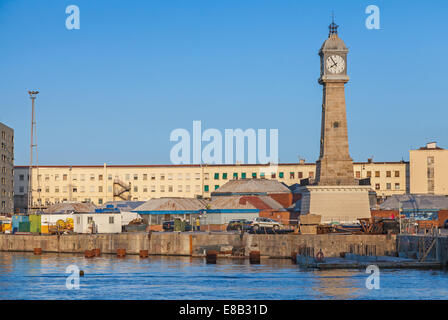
261 222
239 224
169 226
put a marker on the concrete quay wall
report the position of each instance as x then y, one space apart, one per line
195 244
77 243
426 247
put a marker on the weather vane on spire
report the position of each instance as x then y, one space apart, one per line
333 26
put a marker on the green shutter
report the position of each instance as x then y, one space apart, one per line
224 175
216 186
235 175
243 175
254 174
216 176
206 188
280 174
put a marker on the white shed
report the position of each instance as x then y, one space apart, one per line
97 222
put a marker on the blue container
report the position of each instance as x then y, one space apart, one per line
16 220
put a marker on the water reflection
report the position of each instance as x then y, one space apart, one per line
337 284
25 276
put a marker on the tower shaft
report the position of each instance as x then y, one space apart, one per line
334 167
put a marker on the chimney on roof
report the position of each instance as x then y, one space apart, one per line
301 161
431 145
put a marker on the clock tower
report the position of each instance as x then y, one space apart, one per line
334 167
335 195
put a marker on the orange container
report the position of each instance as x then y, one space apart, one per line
89 253
121 253
254 257
143 253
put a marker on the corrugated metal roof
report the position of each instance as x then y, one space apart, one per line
245 202
71 207
252 186
172 204
415 201
124 205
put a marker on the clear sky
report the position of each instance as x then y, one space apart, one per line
136 70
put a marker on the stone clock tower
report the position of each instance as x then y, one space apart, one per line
335 194
334 167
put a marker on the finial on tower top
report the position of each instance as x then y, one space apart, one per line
333 26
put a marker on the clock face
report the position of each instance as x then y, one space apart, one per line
335 64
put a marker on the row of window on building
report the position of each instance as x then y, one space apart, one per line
135 189
6 158
3 182
377 174
388 186
169 176
5 193
4 136
4 171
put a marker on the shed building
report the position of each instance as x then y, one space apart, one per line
253 187
125 208
97 222
156 211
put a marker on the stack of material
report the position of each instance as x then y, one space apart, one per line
309 223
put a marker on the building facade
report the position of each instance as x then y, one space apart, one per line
429 170
7 169
100 184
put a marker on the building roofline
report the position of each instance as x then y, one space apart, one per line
7 126
192 165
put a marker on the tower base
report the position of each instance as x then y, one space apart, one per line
336 203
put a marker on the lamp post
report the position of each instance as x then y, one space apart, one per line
33 144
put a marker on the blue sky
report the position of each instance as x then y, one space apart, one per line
136 70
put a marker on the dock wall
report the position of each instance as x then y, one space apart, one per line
427 247
195 244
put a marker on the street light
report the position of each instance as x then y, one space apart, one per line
33 144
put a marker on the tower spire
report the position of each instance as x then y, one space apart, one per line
333 26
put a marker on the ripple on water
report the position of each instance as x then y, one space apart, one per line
25 276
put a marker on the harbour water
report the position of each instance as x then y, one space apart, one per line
26 276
